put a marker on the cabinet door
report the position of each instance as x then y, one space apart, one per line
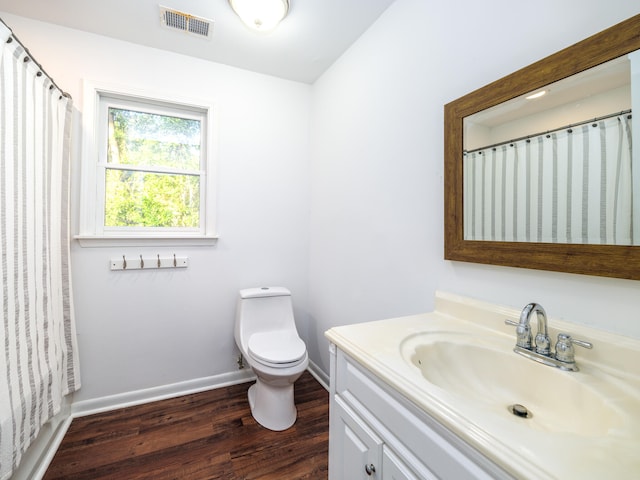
356 450
396 469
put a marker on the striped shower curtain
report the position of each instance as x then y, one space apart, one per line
570 186
39 365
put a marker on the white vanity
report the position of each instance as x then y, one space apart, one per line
376 433
429 396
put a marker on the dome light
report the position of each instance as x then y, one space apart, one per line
261 15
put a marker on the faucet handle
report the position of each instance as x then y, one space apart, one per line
523 333
564 347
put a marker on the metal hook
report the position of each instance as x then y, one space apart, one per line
158 260
124 263
175 262
141 262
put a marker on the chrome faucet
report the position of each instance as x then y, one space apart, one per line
543 342
564 356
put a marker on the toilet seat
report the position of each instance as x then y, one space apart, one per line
278 349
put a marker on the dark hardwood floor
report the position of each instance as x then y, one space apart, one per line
209 435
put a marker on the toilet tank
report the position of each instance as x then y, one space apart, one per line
263 309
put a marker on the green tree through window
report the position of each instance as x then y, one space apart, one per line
152 176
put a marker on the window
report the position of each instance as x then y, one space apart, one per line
147 168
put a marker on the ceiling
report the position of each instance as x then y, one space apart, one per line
305 44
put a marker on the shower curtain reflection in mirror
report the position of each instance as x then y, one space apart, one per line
572 185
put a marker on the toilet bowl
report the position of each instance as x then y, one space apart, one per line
265 333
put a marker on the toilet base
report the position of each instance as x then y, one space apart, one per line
272 407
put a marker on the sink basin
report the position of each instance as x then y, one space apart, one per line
487 373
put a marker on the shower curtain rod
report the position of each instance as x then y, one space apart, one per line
31 58
571 125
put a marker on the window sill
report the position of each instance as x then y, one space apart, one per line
137 241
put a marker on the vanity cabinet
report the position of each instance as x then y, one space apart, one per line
359 447
376 433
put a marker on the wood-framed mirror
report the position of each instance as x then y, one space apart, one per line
602 259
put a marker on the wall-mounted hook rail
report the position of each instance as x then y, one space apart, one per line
149 263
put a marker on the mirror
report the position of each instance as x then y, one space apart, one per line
556 165
529 241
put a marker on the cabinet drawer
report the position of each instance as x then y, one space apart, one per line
394 468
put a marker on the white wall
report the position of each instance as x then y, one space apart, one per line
144 329
363 239
377 164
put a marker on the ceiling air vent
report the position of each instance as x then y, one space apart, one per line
173 19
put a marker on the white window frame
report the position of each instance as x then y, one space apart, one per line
93 170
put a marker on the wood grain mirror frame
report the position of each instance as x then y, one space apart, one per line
602 260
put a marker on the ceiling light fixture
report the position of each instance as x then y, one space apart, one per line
261 15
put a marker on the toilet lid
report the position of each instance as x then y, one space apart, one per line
276 347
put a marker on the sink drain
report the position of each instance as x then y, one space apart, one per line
520 410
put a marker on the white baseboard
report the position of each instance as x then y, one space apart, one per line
319 375
147 395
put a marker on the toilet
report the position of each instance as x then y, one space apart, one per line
266 335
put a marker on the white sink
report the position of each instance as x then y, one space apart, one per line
488 373
457 363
